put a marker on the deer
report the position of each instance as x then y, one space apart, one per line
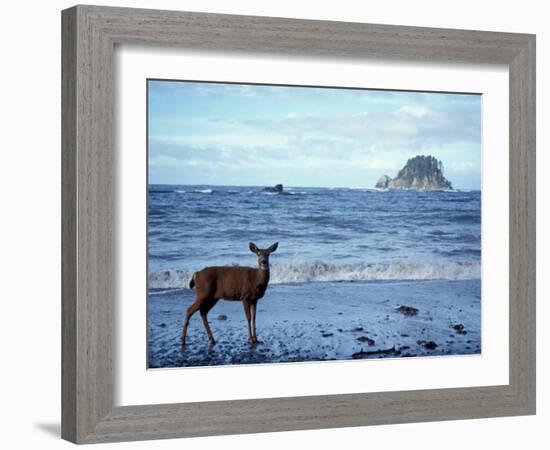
230 283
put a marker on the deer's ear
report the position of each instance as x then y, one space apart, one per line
273 247
253 247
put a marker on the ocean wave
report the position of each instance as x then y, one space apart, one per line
319 271
366 189
465 218
282 193
160 191
193 191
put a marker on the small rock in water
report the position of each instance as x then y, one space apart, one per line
358 329
278 189
407 310
366 339
327 334
222 317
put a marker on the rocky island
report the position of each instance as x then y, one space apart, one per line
423 173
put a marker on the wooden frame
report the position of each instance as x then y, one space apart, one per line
89 36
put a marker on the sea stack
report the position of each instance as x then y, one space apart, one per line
383 182
278 188
422 173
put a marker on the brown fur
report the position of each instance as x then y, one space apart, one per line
230 283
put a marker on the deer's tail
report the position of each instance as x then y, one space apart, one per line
192 282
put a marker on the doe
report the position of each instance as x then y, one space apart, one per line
230 283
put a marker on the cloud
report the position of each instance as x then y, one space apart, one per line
408 127
415 111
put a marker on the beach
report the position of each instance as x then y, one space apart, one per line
322 321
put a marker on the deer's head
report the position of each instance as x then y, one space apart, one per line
263 254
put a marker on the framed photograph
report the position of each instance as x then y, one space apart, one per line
346 210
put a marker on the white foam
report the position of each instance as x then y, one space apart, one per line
319 271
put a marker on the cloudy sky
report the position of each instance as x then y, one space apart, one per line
236 134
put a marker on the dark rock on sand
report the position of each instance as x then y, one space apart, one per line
430 345
278 188
366 339
222 317
362 354
327 334
459 328
407 310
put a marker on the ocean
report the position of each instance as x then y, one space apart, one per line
347 259
324 234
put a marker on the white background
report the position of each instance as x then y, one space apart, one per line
135 386
31 207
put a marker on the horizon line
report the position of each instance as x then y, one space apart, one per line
301 186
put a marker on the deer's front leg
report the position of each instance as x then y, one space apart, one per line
246 305
253 314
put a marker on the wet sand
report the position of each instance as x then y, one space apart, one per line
322 321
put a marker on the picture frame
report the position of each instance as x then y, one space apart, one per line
89 37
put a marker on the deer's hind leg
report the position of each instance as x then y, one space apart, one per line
190 311
205 308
